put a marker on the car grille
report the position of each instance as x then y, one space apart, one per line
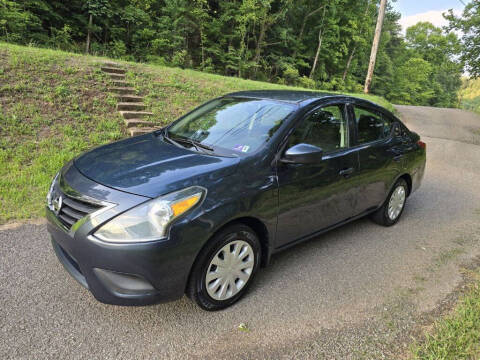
73 209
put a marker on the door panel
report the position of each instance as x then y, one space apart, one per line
377 171
315 196
379 155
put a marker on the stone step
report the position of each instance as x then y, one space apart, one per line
135 114
121 83
130 106
123 90
137 123
140 131
110 63
116 76
129 98
113 70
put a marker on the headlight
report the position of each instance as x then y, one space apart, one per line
150 221
50 191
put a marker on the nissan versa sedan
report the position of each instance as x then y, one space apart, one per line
197 207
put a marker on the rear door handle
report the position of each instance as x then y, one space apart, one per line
346 172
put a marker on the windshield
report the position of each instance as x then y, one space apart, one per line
240 125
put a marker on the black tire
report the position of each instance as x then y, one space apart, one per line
381 216
197 287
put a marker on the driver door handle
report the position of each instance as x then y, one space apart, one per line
346 172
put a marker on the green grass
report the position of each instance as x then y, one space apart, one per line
54 105
456 336
470 95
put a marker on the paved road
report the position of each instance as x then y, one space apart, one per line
355 292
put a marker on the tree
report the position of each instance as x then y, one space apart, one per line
413 82
441 51
469 25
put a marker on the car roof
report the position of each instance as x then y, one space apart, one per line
292 96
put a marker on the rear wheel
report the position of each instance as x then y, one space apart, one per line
392 209
225 268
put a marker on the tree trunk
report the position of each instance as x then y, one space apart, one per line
349 62
302 29
320 38
261 36
376 41
89 34
355 44
202 47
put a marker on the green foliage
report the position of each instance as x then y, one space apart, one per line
421 69
306 82
268 40
413 82
469 25
470 95
291 75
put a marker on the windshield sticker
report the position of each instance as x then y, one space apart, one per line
242 148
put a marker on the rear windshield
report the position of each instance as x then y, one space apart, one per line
236 124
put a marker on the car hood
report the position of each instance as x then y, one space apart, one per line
148 166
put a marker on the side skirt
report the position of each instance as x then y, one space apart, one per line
317 233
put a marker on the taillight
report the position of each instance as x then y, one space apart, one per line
421 144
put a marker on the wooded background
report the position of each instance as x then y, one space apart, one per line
310 43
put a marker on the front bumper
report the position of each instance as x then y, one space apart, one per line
123 274
118 274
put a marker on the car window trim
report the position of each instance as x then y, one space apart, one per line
374 110
336 102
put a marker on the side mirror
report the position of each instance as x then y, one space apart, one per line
302 154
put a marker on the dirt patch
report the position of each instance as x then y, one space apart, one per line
16 224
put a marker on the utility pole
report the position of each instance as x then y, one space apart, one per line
376 41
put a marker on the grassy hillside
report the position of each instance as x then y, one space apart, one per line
470 95
54 105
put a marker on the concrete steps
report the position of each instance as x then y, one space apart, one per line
130 105
127 98
115 76
123 90
135 114
140 131
113 70
111 64
120 83
137 123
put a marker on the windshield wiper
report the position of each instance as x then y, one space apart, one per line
170 140
196 144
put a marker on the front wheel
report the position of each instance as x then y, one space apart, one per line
225 268
392 209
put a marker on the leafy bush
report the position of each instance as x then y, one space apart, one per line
306 82
118 49
291 75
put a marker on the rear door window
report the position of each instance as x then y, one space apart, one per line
371 125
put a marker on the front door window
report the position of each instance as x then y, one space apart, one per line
325 127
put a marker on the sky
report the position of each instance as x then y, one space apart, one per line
414 11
